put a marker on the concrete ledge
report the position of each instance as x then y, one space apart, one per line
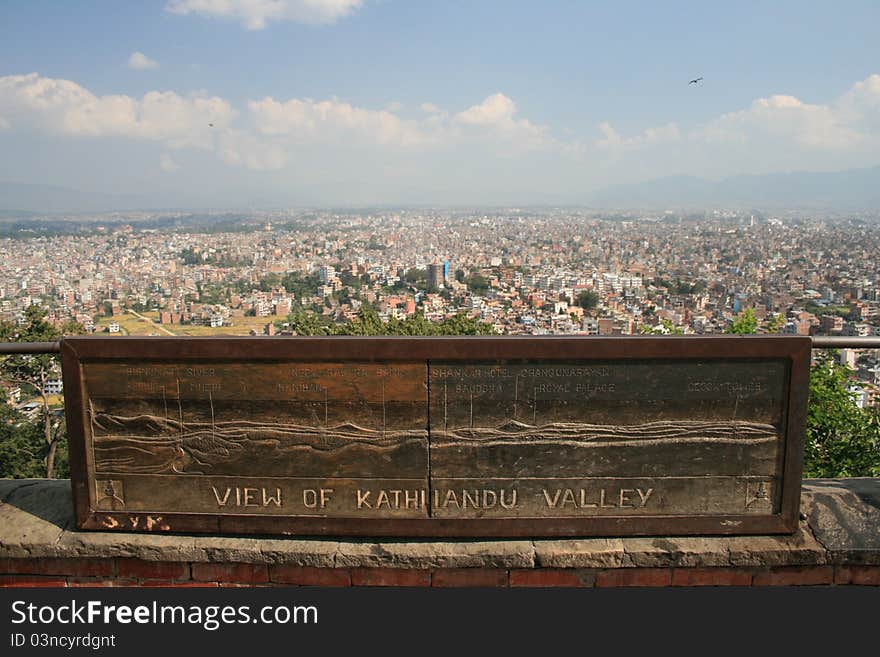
837 542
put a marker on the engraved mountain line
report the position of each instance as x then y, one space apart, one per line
511 431
148 443
238 430
514 432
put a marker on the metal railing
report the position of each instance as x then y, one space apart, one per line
819 342
8 348
845 342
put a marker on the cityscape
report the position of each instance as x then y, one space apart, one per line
514 271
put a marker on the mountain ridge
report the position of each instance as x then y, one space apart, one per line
847 189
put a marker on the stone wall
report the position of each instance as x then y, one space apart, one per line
837 542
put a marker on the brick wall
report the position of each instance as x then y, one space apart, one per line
73 572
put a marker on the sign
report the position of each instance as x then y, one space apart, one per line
550 436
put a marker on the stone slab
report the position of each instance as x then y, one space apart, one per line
844 515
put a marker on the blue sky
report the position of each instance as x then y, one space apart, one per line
347 102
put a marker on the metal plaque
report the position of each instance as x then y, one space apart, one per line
437 436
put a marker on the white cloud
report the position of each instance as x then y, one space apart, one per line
613 140
167 163
495 117
497 109
776 133
140 62
271 133
64 107
430 108
336 122
333 121
785 118
4 124
256 14
860 106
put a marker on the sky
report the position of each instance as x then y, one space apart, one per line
271 103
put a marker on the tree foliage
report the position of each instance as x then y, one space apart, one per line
22 451
477 283
368 322
843 440
775 323
744 324
33 372
587 300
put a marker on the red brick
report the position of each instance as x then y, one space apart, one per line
551 577
390 577
168 584
70 567
29 581
86 582
795 576
306 576
860 575
634 577
467 577
244 573
152 569
711 577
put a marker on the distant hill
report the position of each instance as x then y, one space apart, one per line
856 189
27 198
853 189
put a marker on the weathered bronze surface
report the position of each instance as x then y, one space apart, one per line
437 436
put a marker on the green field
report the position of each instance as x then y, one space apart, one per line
131 325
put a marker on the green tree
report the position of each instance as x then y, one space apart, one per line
34 371
587 300
369 323
477 283
21 445
303 323
843 440
744 324
776 323
416 277
461 324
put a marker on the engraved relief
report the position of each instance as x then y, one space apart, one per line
445 440
108 495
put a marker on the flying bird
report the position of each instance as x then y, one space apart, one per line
211 125
695 81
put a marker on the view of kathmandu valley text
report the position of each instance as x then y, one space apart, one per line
510 271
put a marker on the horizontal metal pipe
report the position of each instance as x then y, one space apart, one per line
845 342
30 347
819 342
